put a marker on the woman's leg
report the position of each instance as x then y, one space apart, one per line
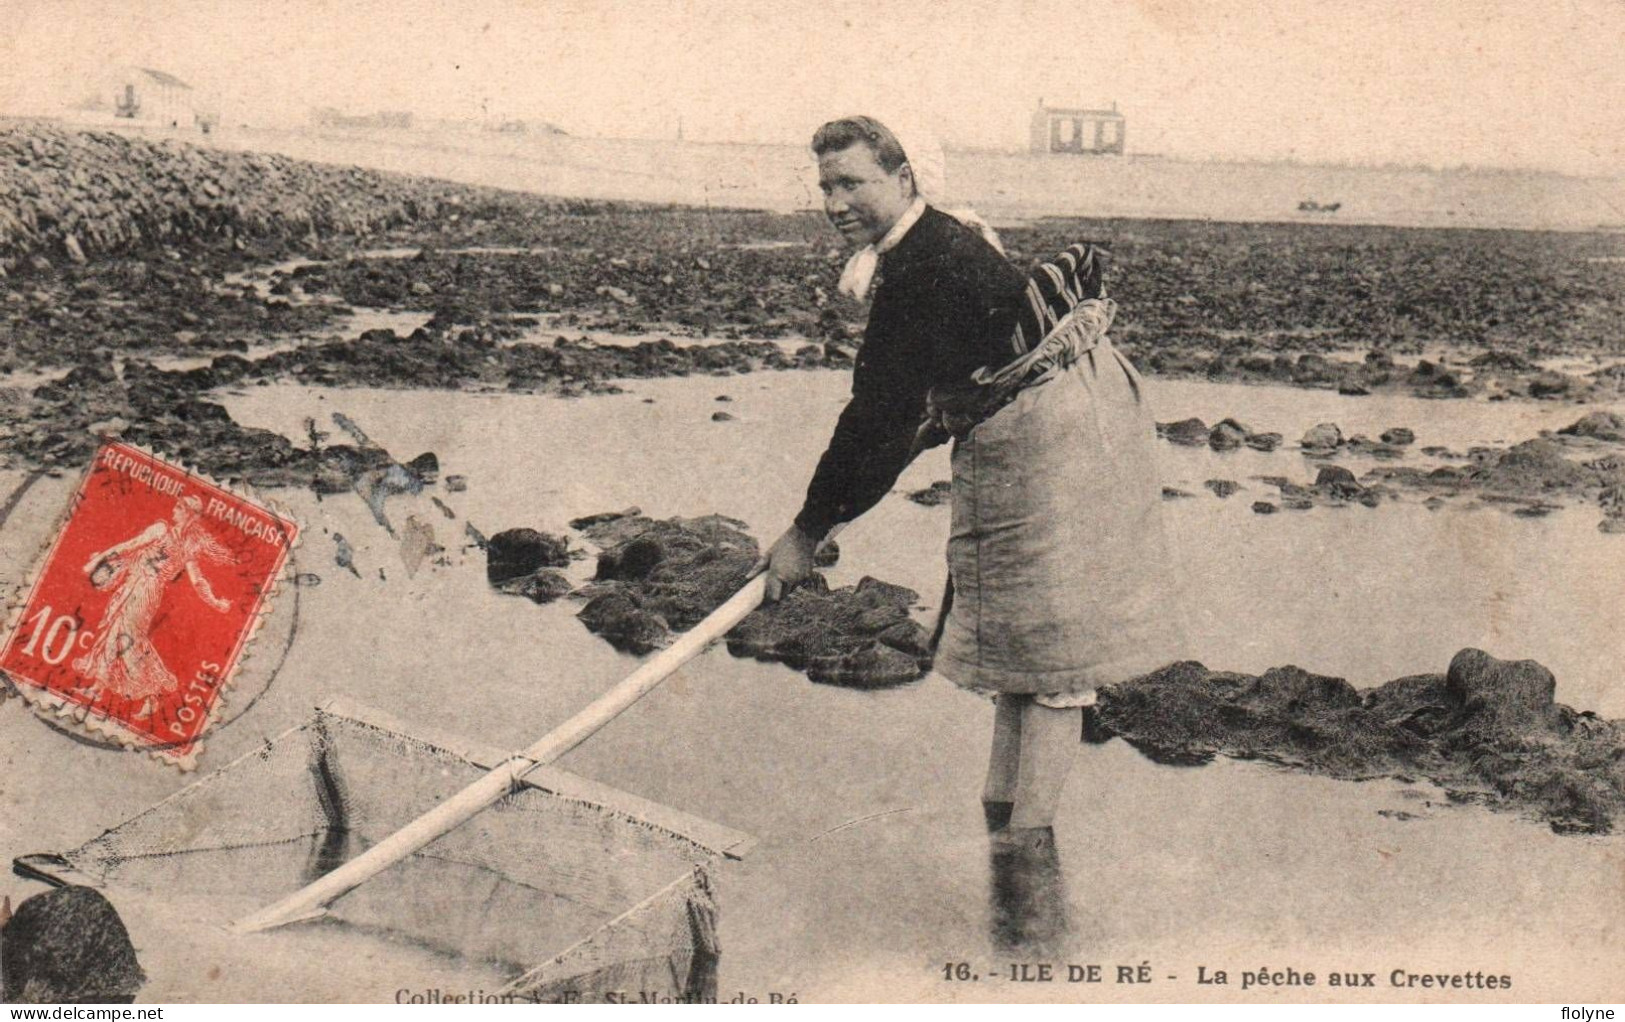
1048 745
1004 760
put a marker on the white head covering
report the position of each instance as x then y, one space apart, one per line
923 151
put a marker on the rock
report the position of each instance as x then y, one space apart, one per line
1265 442
656 577
619 618
425 466
1550 384
1264 507
1360 444
586 522
1399 436
1222 487
619 294
721 417
456 484
1313 367
839 352
876 666
1322 439
421 288
935 495
631 561
543 586
872 592
1292 690
1187 432
1509 360
1339 484
68 946
1511 692
910 637
1534 466
1597 425
1227 435
514 553
678 570
1175 493
861 636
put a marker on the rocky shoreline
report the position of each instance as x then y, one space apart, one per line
1486 731
115 251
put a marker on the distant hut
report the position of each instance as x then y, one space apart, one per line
1076 130
156 98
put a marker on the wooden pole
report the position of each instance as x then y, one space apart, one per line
312 901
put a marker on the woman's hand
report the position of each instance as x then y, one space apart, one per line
787 563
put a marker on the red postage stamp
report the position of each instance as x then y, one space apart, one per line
145 602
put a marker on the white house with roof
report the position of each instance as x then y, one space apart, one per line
151 98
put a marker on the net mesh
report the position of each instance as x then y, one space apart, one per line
570 899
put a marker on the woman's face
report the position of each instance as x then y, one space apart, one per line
861 198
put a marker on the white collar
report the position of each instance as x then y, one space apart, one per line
859 273
910 217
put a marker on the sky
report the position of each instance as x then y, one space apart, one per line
1536 83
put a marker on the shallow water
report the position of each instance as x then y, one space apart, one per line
873 871
1413 585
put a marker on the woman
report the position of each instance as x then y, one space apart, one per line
123 658
1056 556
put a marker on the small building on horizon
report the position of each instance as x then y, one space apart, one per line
1078 130
154 98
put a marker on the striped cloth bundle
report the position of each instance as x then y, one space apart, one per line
1066 311
1054 289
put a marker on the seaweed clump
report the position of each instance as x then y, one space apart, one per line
658 577
1487 730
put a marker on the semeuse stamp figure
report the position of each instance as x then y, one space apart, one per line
138 571
141 610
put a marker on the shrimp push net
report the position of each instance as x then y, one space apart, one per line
565 890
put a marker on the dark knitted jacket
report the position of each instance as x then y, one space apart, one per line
945 305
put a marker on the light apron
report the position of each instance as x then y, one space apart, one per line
1061 576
